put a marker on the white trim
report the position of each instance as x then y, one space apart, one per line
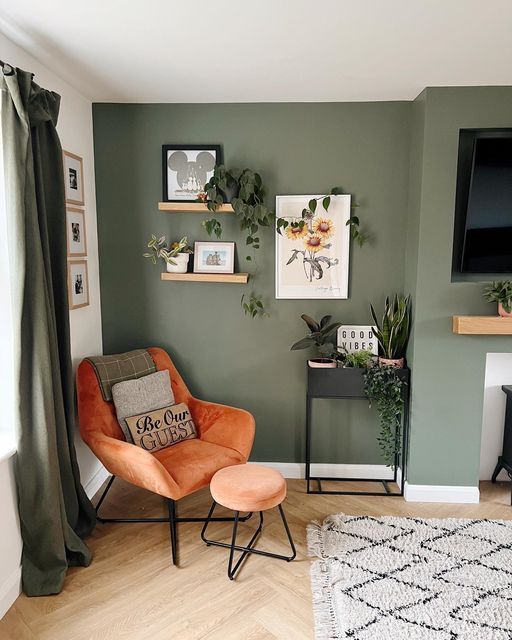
9 591
93 484
298 470
441 493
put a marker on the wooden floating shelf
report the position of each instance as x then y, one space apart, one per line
233 278
482 325
192 207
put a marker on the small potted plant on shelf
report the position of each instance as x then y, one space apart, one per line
500 292
319 335
357 360
393 331
176 256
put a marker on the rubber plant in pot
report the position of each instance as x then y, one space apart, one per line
500 292
320 336
393 331
176 256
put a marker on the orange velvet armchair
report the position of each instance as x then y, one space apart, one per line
225 437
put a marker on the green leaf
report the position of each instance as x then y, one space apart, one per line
249 240
304 343
326 202
312 205
312 324
248 258
336 191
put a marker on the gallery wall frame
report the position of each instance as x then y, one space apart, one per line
78 284
73 178
76 233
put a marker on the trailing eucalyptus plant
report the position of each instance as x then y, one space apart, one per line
245 191
299 223
383 386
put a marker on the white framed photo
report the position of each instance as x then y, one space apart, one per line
214 257
73 178
312 262
355 337
78 284
75 232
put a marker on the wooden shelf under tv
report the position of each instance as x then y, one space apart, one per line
233 278
482 325
192 207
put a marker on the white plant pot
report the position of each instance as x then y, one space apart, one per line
181 260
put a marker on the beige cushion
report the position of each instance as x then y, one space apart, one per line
134 397
155 430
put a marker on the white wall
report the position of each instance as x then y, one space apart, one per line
498 371
75 130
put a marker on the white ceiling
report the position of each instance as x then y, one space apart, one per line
264 50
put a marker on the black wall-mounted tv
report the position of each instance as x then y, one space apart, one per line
482 240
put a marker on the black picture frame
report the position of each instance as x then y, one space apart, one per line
166 170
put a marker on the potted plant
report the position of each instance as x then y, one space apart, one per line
500 292
176 256
319 335
357 360
393 331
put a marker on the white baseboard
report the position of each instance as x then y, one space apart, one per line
93 484
441 493
9 591
298 470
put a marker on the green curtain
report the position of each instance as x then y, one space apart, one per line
55 513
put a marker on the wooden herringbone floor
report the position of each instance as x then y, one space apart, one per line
132 591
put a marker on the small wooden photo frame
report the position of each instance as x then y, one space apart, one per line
214 257
78 284
76 233
73 178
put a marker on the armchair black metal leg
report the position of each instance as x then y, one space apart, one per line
102 497
171 504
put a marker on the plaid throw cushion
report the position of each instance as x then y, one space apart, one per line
122 366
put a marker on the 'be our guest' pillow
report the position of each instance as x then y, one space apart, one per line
133 397
155 430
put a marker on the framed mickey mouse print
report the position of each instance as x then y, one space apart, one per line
186 169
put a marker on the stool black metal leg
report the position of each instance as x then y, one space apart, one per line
290 539
232 569
231 573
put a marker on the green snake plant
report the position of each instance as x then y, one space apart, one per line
393 331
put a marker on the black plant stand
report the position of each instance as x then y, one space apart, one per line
346 384
505 460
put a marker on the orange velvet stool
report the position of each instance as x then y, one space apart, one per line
247 487
225 438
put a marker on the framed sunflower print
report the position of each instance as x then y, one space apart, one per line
312 260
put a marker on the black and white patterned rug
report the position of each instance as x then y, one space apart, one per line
406 578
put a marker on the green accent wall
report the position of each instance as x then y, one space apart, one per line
448 369
223 355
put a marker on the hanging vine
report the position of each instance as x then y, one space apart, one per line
245 191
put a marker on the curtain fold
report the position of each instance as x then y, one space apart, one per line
55 513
